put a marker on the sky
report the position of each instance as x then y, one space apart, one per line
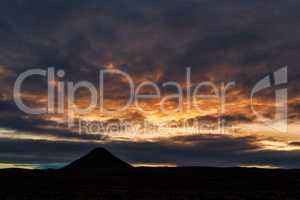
162 43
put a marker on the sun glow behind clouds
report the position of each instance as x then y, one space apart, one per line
277 145
31 166
260 166
16 165
153 165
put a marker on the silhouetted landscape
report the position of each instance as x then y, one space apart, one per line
100 175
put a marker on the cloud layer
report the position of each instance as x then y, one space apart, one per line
151 41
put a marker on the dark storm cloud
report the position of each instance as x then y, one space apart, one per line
12 118
228 119
45 128
241 41
295 143
8 107
33 151
183 151
190 150
82 36
294 112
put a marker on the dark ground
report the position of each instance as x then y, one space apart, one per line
151 183
101 175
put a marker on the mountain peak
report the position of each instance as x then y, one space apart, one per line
99 151
97 159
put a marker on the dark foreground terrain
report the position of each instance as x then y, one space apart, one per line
81 180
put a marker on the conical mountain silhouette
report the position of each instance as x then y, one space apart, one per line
97 159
